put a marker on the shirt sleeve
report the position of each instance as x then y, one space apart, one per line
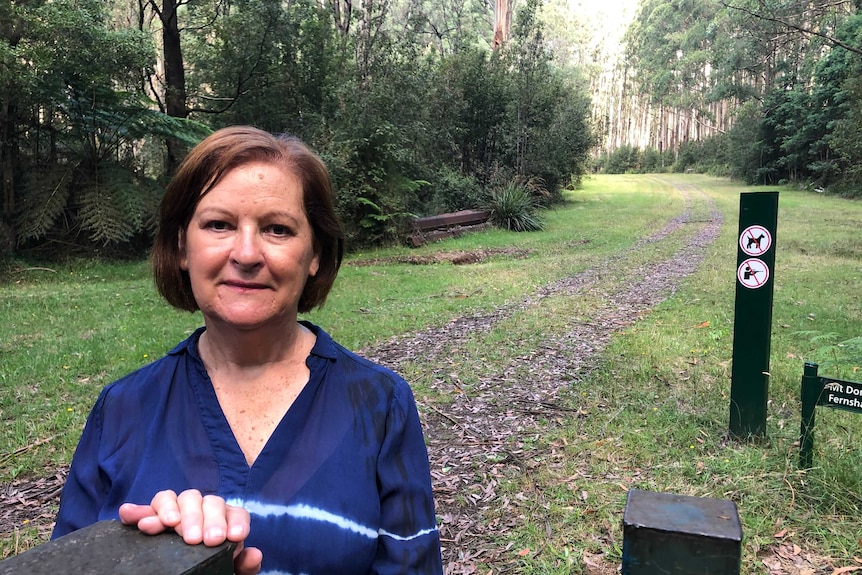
84 491
409 542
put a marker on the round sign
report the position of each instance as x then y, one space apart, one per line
752 273
755 240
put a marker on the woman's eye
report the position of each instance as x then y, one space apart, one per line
217 225
279 230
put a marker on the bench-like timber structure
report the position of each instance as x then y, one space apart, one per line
449 225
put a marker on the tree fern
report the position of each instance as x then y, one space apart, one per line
45 195
116 204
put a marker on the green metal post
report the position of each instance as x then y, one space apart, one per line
752 329
812 387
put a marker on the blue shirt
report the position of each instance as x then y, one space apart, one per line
341 487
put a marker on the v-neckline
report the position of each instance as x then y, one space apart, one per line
222 437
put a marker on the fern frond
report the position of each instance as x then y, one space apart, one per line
116 204
44 196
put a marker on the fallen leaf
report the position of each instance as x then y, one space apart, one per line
590 559
780 534
704 324
846 569
524 552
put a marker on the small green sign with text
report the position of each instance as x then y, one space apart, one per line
841 394
825 392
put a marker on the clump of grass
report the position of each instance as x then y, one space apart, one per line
516 206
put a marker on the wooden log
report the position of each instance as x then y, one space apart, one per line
111 548
462 218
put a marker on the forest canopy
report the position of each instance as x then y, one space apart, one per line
417 107
767 91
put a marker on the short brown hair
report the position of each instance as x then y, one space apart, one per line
202 169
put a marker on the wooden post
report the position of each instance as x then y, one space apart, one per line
752 324
811 390
667 534
109 548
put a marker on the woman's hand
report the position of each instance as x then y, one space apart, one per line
198 519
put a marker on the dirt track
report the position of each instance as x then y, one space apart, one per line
476 431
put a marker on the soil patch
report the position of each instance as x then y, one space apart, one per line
459 257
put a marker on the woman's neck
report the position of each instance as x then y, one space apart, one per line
223 347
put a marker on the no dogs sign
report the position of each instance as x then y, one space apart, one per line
755 240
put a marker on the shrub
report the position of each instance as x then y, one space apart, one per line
515 208
452 191
624 160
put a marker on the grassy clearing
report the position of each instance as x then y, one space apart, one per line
658 406
654 411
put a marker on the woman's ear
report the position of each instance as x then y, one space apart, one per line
181 245
314 265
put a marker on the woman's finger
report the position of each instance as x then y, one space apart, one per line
131 513
191 516
214 520
248 561
165 505
238 523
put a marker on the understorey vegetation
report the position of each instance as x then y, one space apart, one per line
410 104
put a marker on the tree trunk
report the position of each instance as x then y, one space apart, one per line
341 13
175 78
502 21
8 153
10 31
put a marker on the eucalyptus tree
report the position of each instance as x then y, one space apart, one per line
670 45
241 29
800 17
805 85
447 26
837 95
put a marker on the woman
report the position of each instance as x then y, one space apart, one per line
273 435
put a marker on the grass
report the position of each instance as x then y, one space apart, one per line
657 400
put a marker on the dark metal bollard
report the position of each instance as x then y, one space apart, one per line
666 534
110 547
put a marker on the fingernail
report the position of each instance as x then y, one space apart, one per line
215 533
193 533
173 517
236 531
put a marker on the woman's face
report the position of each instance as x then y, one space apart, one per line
249 248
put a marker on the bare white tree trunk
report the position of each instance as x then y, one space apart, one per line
502 21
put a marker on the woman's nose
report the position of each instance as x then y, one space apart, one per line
246 249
